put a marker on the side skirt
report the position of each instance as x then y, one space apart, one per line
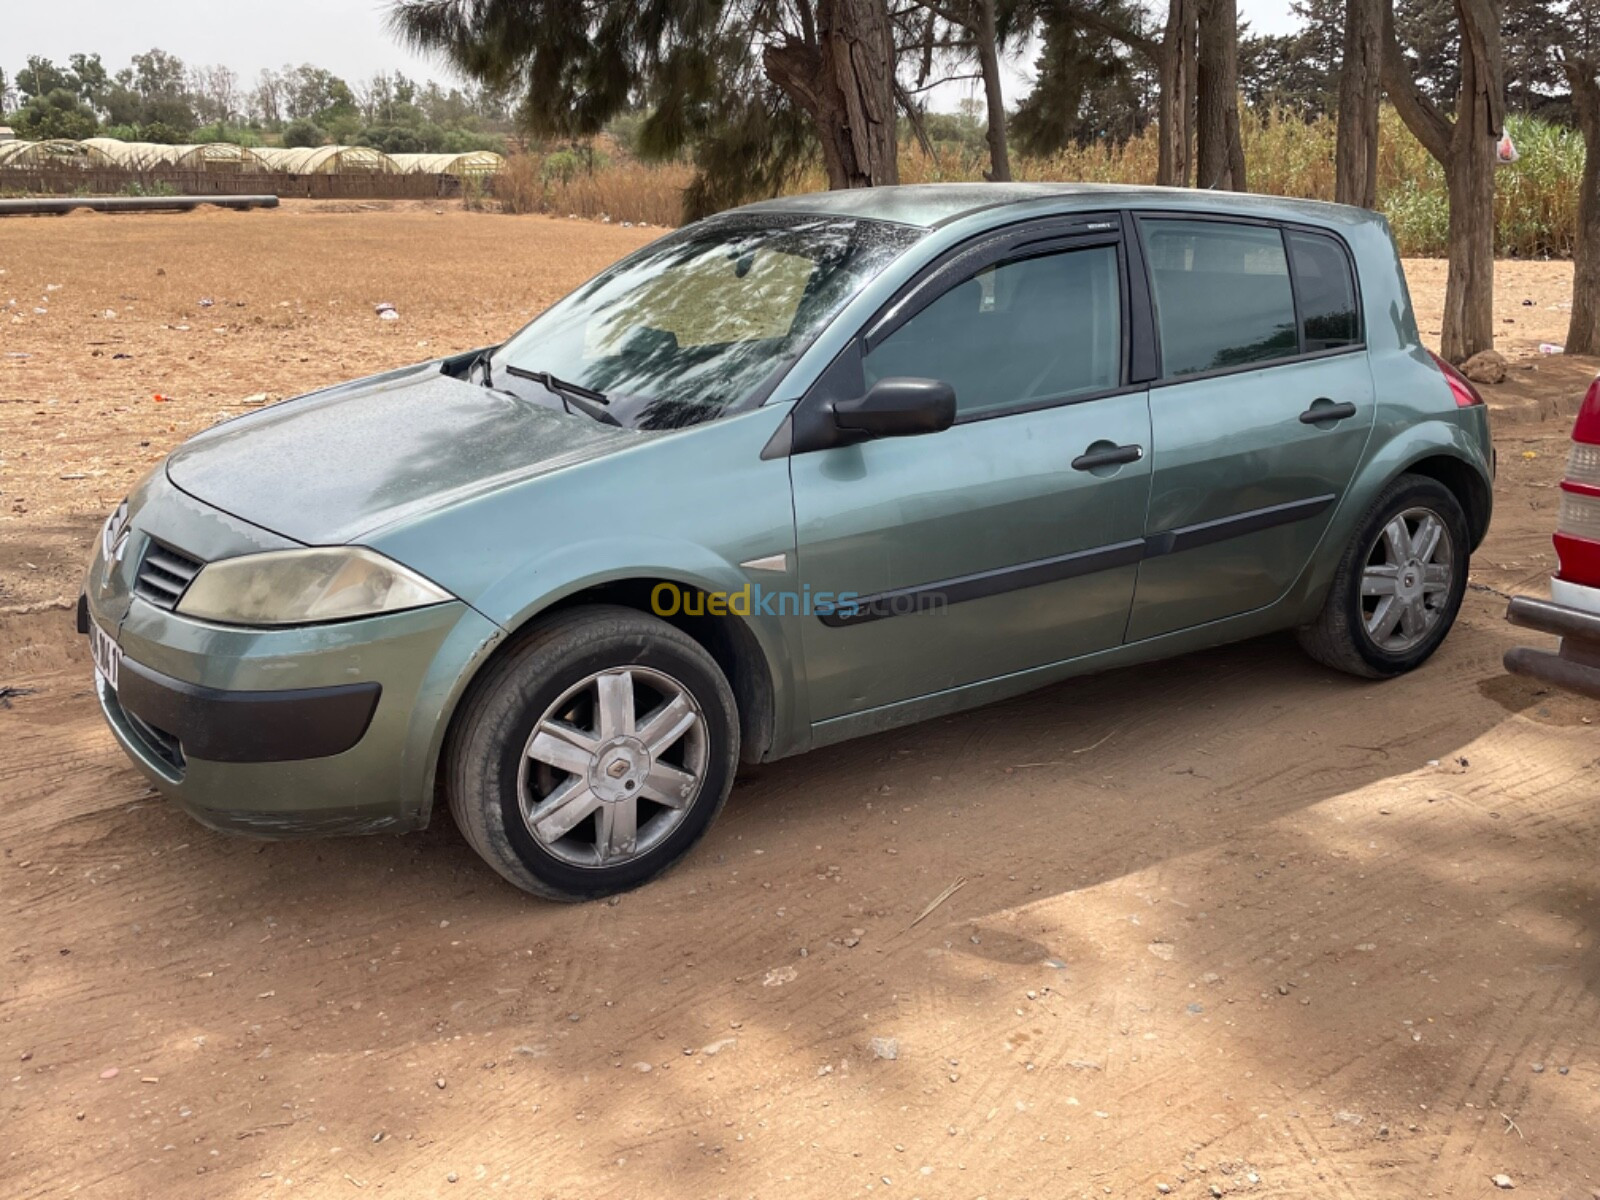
1237 628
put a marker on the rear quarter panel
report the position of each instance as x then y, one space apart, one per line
1417 417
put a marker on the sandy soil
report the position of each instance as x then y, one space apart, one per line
1230 924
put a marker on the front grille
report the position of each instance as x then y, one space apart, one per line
163 576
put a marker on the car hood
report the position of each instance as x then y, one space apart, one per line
333 466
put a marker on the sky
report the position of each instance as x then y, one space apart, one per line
348 37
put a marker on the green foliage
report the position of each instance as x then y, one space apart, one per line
563 166
339 124
41 77
56 114
159 188
166 135
624 129
303 132
464 141
223 132
1088 88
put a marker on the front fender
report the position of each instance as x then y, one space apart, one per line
686 508
521 596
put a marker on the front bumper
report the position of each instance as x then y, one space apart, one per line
314 730
1576 666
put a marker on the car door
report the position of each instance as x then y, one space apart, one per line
1263 408
1010 539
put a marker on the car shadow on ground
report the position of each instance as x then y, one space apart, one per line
792 923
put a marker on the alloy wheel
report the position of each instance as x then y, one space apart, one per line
613 766
1405 585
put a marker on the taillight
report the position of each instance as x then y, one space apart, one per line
1578 523
1587 427
1460 386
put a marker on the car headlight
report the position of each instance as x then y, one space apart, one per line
299 587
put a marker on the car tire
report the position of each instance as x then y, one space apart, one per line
544 739
1343 635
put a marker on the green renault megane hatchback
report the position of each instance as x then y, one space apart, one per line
803 471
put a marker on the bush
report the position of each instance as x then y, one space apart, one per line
303 132
624 192
463 141
57 114
164 134
221 132
159 188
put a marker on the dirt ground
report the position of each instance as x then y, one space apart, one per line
1230 924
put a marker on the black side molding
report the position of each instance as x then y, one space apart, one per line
1208 533
931 597
226 726
83 614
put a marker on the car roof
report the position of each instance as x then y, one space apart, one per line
930 205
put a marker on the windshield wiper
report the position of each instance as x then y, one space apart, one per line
571 395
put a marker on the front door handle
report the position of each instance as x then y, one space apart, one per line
1102 455
1322 409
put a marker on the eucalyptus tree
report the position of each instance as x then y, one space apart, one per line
1464 145
1360 89
733 81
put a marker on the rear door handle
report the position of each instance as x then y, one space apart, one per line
1107 456
1323 409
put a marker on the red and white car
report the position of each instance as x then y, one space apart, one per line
1573 610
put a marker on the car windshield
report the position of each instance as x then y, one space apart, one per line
704 321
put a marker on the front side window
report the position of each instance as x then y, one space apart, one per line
1326 290
1222 293
695 324
1023 332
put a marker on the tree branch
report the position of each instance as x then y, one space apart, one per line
927 87
919 127
945 14
1427 124
1580 73
1146 47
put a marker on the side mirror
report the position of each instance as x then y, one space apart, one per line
898 407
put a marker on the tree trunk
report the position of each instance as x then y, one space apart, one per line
1469 281
844 83
1583 331
1465 148
1235 150
1469 178
1360 86
1217 152
1175 111
989 66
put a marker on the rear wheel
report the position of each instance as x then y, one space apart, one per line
1399 585
593 755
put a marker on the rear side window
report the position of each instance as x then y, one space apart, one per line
1222 292
1326 290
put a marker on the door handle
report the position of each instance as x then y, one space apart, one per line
1322 409
1110 456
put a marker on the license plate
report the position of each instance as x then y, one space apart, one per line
106 653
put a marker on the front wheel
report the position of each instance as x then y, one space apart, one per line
594 754
1399 585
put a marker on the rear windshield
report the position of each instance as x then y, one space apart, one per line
704 321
